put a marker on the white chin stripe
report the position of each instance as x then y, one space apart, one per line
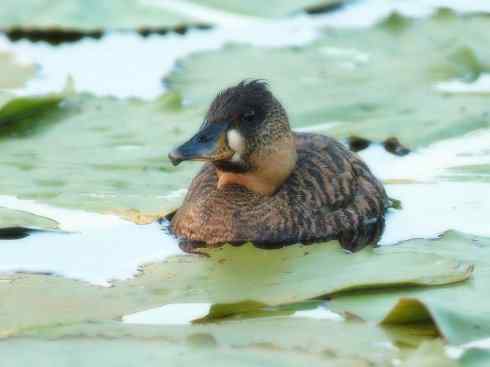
235 141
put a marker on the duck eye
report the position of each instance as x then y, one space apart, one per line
248 116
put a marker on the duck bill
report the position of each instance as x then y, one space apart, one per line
203 146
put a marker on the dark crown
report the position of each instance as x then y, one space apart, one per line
241 98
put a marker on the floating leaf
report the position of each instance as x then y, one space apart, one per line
15 224
272 8
370 82
96 153
460 311
229 276
430 354
14 74
17 218
280 341
19 116
475 358
87 15
50 19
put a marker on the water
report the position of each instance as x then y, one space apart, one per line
99 249
171 314
186 313
434 198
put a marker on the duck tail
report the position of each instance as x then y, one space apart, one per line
363 221
357 230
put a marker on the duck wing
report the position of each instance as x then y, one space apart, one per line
351 202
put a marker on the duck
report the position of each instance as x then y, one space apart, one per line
263 183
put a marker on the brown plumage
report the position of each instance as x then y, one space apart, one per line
265 184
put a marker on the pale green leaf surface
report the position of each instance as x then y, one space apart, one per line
17 218
185 346
13 74
430 354
94 15
325 340
99 154
371 82
131 352
271 8
460 311
229 275
475 358
86 15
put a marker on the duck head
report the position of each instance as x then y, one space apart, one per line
246 135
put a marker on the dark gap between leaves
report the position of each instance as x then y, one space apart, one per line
325 8
56 36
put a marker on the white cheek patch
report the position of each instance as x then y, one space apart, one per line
236 141
236 157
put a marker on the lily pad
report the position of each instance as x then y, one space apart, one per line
430 354
130 169
14 74
91 15
277 341
87 15
229 276
371 82
460 311
475 358
93 153
19 115
274 8
16 218
16 224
